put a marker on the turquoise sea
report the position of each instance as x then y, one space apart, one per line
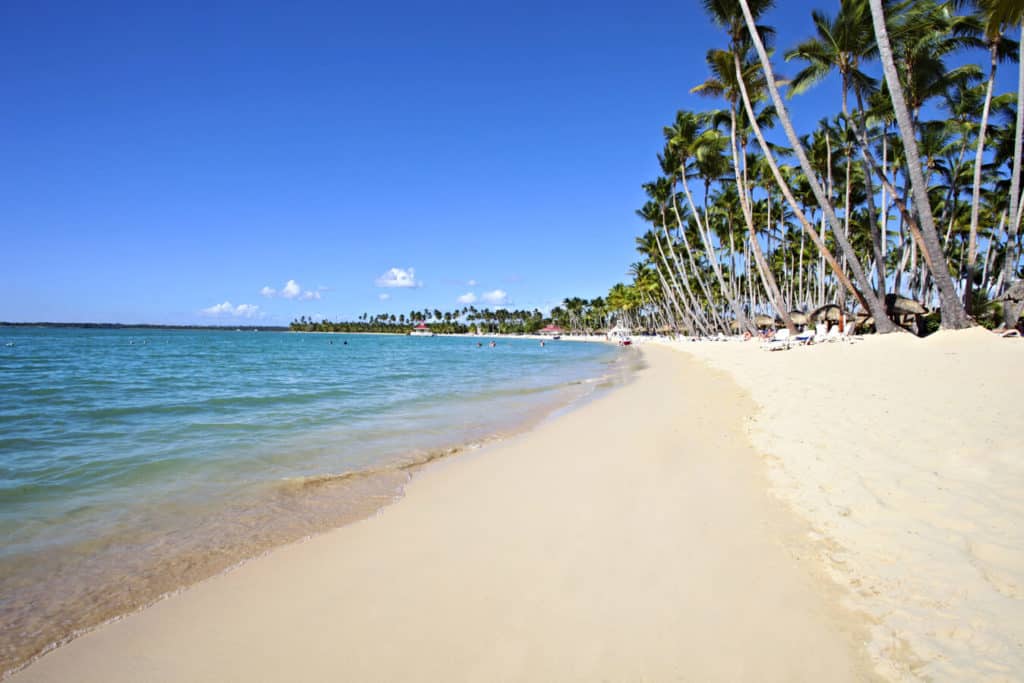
136 462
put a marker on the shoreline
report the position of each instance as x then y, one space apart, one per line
366 491
902 454
528 555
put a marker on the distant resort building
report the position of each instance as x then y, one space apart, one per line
551 331
421 330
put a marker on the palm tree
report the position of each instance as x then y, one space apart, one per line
842 44
686 142
953 314
875 305
724 82
999 49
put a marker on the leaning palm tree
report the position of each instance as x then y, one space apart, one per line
744 20
688 143
1000 48
842 44
953 314
726 82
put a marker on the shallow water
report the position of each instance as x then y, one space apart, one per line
136 462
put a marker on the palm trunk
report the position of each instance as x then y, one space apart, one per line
767 279
784 187
679 267
690 304
875 305
693 263
1009 259
954 317
972 245
705 237
675 303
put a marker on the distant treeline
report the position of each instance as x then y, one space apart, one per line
123 326
460 321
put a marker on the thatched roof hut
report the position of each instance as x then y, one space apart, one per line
764 321
898 305
798 318
829 313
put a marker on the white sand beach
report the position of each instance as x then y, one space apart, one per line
632 539
638 538
905 456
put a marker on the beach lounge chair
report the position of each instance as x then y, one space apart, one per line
805 337
779 341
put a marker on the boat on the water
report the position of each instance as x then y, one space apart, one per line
621 335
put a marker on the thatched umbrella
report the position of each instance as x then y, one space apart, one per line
898 305
798 318
734 326
830 313
763 321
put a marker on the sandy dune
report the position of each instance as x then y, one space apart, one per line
907 456
632 539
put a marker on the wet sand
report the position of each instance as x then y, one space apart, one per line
632 539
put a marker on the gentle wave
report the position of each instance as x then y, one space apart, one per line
129 470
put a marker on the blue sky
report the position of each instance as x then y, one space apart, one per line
158 162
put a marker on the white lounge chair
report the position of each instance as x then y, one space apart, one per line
805 337
779 341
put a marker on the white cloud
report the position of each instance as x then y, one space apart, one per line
467 298
227 310
383 296
471 283
293 290
496 297
397 277
219 309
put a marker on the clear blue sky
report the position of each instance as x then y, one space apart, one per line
159 161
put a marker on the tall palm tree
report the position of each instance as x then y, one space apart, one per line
953 314
1000 48
873 303
842 43
726 83
688 143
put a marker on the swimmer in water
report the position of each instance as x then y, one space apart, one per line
493 344
542 344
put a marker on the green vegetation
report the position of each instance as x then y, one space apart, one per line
460 321
909 187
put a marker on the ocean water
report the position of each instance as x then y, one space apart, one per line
136 462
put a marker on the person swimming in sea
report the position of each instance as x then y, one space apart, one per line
493 344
